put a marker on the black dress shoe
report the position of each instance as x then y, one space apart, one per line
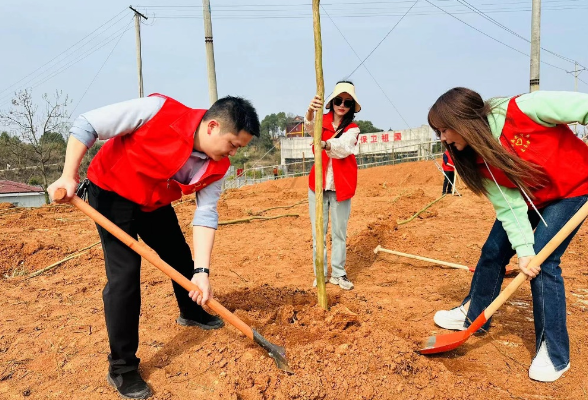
129 385
204 321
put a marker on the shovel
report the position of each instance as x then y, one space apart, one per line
379 248
431 260
443 343
274 351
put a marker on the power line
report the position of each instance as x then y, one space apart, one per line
471 7
362 3
496 40
97 73
360 14
384 38
66 50
241 8
40 80
366 68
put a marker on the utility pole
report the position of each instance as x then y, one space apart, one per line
535 44
209 51
138 17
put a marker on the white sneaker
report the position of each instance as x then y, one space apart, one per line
542 368
452 319
342 281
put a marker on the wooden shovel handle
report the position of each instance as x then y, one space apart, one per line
545 252
431 260
150 255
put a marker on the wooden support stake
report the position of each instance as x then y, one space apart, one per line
275 208
417 214
395 199
454 186
237 221
184 201
318 158
76 254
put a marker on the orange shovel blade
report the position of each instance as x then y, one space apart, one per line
450 341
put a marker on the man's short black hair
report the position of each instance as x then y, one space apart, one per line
236 114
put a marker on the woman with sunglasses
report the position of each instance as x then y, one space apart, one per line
522 155
339 139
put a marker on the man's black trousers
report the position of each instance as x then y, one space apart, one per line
161 231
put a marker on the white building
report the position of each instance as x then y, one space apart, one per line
21 194
402 141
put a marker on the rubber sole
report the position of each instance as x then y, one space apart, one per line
335 281
188 322
145 395
547 376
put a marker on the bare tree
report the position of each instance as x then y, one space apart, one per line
42 132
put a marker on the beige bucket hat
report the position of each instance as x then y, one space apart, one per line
344 87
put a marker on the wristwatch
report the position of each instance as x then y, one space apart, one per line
199 270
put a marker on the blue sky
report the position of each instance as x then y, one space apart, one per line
264 51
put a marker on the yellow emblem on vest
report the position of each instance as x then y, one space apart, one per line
521 141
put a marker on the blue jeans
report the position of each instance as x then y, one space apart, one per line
549 301
340 211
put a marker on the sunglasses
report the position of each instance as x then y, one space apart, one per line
347 103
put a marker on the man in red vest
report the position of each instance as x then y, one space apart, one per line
157 150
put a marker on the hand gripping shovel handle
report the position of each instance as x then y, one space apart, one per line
539 259
441 343
150 255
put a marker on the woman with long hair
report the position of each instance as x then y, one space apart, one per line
338 142
522 155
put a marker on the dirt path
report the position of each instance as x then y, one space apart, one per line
53 340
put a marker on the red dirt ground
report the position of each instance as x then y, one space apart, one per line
53 342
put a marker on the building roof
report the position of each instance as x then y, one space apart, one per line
17 187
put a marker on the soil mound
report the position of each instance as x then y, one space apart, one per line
54 343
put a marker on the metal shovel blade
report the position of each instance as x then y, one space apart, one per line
443 343
450 341
276 352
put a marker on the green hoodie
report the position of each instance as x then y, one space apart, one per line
545 108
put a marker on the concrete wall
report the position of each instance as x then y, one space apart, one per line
407 139
24 199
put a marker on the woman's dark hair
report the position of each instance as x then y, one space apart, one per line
348 117
464 111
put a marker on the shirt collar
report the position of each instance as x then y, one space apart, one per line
199 154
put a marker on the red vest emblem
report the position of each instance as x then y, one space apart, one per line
556 150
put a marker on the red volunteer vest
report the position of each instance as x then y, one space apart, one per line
344 170
446 167
140 166
562 156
